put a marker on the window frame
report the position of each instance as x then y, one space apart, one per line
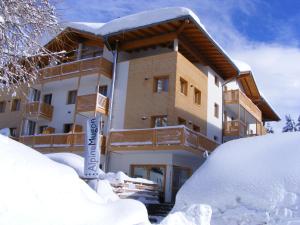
197 101
183 86
217 82
69 99
3 108
181 121
103 86
153 120
216 110
70 128
165 83
15 107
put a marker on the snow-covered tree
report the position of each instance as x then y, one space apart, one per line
269 129
298 124
22 25
290 125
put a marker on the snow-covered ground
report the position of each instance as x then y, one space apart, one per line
38 191
247 181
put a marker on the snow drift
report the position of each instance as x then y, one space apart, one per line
248 181
38 191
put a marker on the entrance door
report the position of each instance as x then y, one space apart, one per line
156 173
180 175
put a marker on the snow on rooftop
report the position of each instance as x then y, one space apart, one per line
249 181
146 18
84 26
242 66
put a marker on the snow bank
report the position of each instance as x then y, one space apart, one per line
5 132
38 191
249 181
192 215
147 18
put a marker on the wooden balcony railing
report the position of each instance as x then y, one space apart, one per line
38 110
92 103
75 68
238 97
55 141
239 129
235 128
178 137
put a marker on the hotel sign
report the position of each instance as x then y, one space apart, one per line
92 152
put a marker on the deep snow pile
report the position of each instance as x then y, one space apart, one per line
249 181
38 191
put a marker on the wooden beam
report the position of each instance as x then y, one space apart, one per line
148 41
182 26
191 50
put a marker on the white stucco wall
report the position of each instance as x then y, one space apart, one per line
214 124
120 95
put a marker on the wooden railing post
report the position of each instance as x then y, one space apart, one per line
154 137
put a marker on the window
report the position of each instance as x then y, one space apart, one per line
103 90
196 128
216 138
48 99
181 121
216 110
197 96
68 127
159 121
72 97
34 95
2 106
42 129
161 84
216 81
15 106
31 127
183 86
13 131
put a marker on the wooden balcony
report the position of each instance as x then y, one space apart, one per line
82 67
238 97
92 103
234 128
163 138
39 110
68 142
238 128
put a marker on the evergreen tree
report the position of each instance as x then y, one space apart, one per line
298 124
290 125
269 129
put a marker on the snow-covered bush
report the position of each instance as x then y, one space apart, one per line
248 181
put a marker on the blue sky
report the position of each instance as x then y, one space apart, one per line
265 34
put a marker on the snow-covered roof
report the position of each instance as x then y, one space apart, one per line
84 26
242 66
147 18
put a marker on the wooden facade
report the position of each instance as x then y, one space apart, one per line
83 67
163 138
238 97
92 103
66 142
38 110
143 101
